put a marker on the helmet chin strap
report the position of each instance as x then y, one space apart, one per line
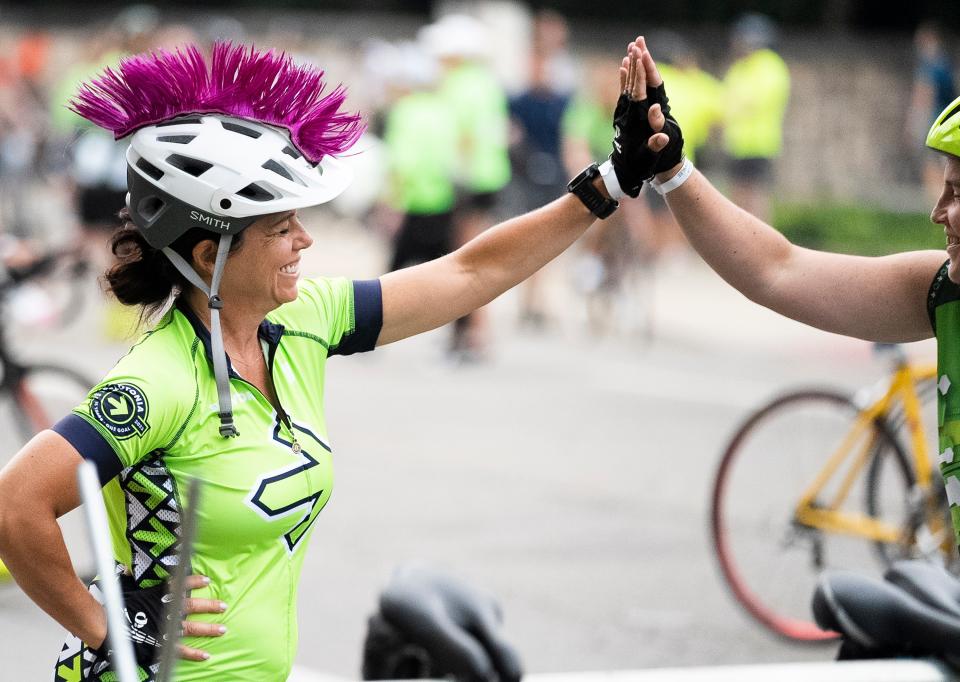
215 304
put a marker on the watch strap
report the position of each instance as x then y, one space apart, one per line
582 187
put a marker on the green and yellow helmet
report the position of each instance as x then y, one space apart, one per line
944 135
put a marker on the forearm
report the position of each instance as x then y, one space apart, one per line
743 250
32 547
510 252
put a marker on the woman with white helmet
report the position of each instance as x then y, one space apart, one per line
228 385
897 298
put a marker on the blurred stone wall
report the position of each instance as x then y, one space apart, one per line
844 136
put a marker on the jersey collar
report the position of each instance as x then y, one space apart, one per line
268 331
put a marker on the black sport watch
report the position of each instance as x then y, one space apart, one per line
582 187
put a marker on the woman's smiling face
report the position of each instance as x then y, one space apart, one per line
264 271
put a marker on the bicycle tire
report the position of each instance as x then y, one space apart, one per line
926 392
763 572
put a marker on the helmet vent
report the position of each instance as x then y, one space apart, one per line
255 192
179 121
290 151
194 167
242 129
278 168
176 139
149 208
149 169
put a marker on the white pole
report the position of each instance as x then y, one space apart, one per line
123 661
178 582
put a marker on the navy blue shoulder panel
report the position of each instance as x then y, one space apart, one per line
90 444
368 319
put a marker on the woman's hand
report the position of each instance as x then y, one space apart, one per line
145 611
648 139
196 628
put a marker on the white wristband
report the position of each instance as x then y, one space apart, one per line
609 177
686 170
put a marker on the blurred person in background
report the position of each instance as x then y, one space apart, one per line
97 165
24 132
614 268
696 100
536 157
933 89
756 91
479 104
420 140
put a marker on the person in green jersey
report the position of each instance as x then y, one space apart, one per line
695 99
897 298
227 387
757 88
478 102
420 136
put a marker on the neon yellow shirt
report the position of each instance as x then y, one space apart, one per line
757 88
421 141
480 107
586 120
696 101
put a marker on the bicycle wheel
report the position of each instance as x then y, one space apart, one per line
42 395
769 556
929 529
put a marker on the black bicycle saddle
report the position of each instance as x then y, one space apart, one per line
914 611
433 625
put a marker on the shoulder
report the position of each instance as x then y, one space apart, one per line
344 315
318 293
143 403
159 371
166 352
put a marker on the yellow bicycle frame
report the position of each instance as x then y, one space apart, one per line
830 517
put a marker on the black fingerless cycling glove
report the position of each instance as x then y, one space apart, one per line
672 154
633 160
144 609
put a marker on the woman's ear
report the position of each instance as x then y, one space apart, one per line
204 257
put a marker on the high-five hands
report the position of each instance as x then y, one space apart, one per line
648 139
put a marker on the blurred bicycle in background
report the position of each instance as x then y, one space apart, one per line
817 478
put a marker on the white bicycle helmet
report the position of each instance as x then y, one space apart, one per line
220 173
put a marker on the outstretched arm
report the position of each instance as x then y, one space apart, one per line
427 296
878 299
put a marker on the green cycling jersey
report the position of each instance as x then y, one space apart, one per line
943 305
153 422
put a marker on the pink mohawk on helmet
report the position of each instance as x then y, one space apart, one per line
241 81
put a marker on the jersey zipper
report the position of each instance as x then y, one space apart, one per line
269 350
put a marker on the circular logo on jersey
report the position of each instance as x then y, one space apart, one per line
122 409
